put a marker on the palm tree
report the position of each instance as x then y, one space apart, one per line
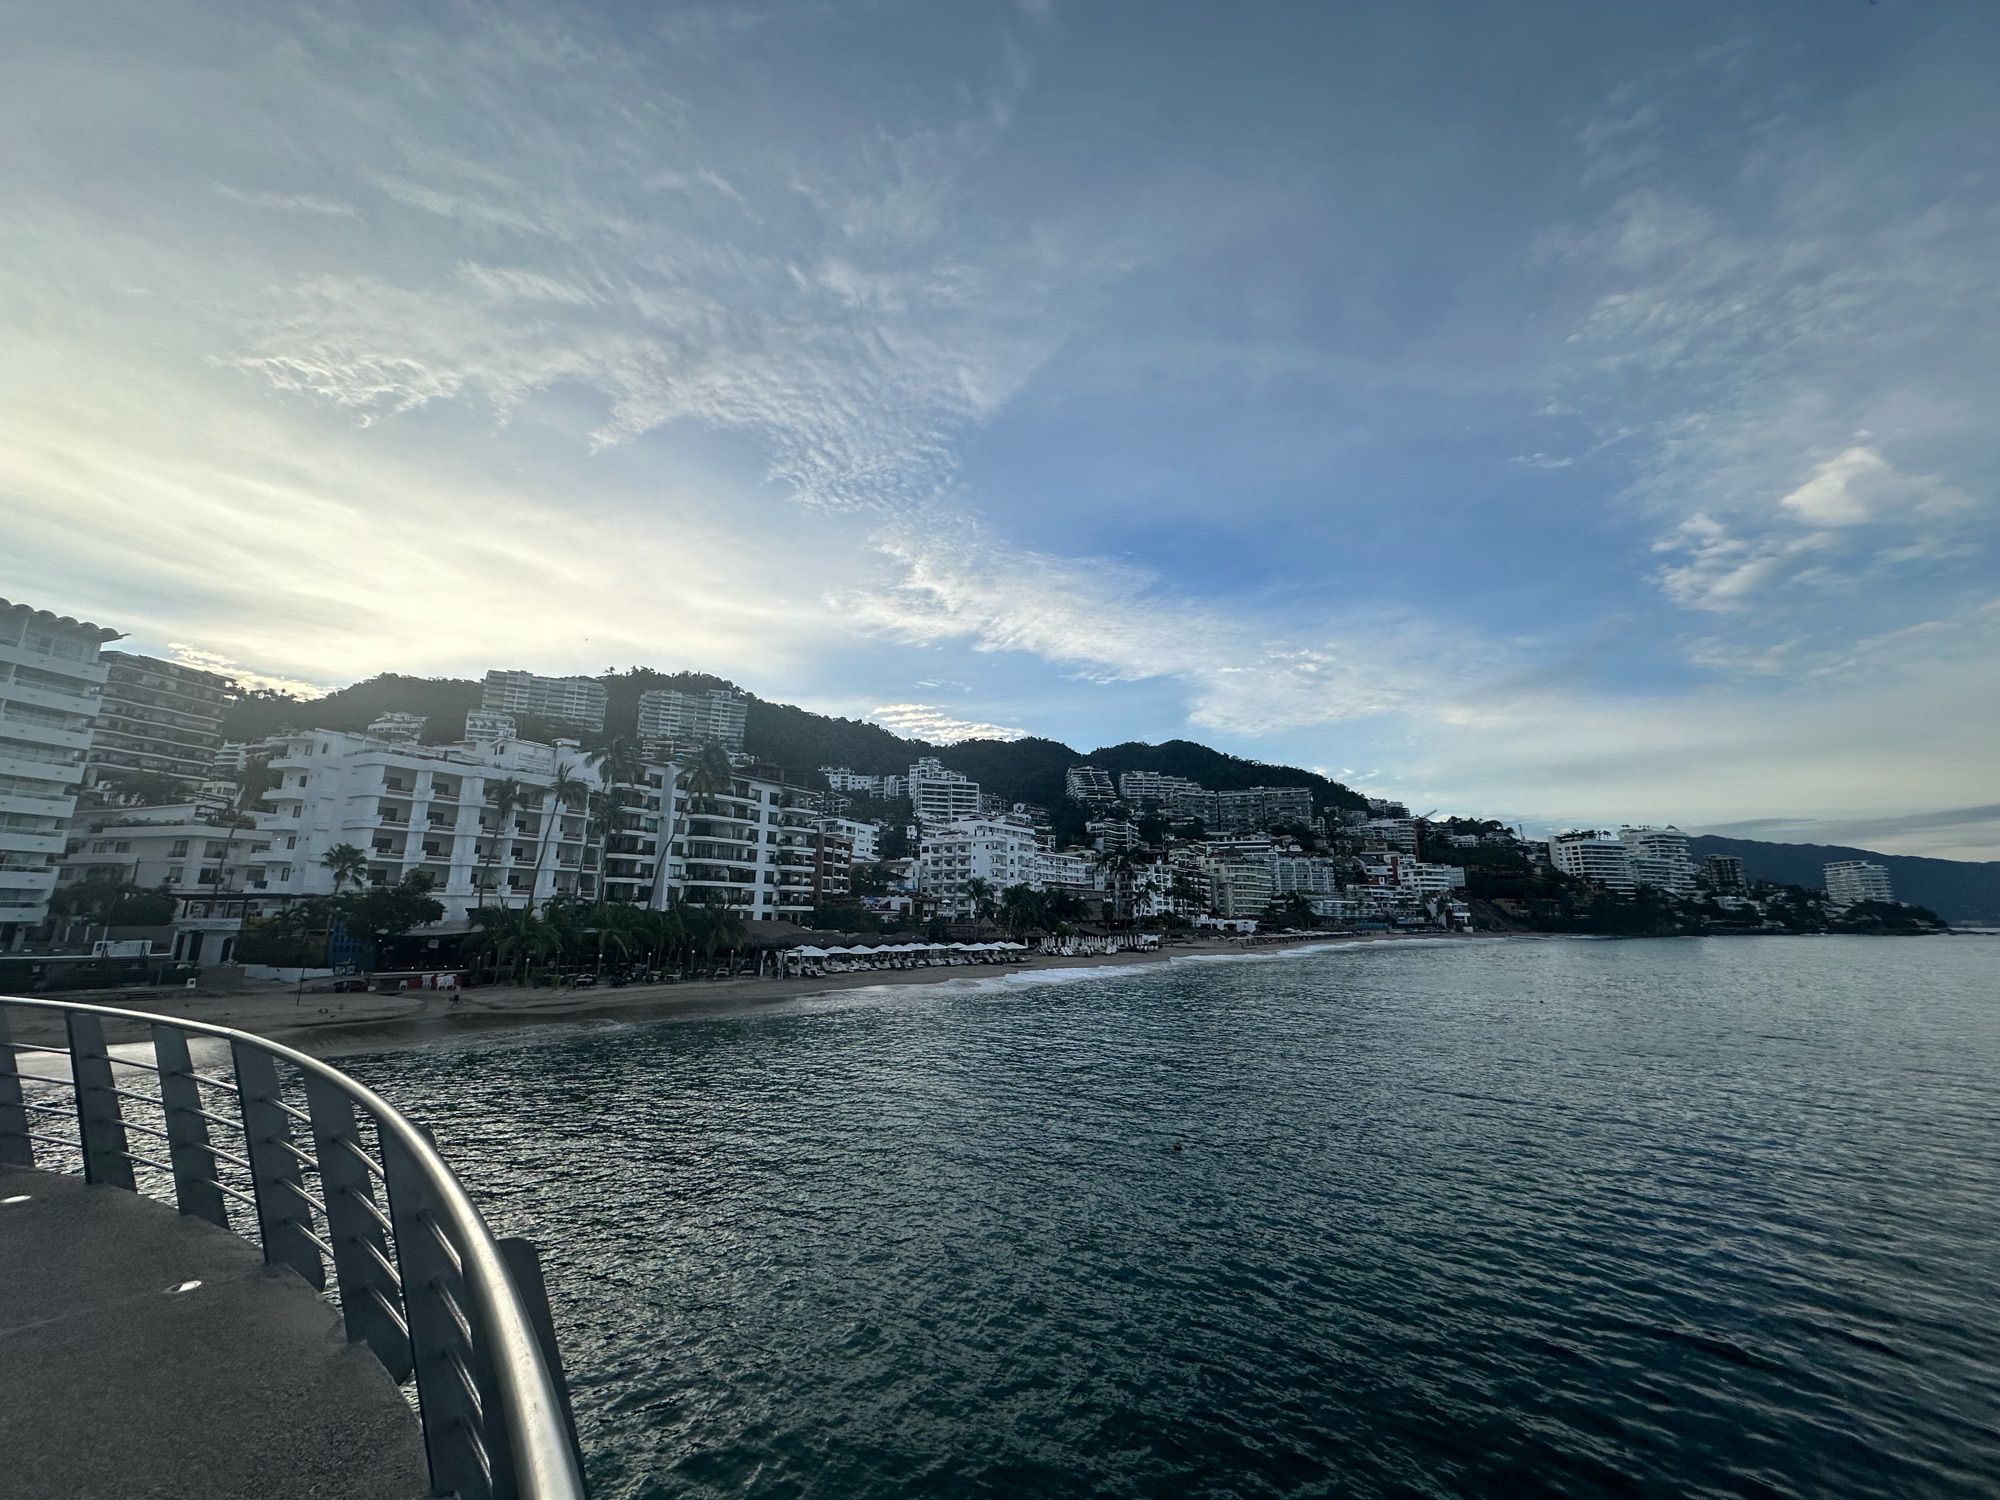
1117 865
978 897
606 810
347 863
514 935
504 796
618 926
564 790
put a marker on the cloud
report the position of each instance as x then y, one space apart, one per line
291 203
247 679
1718 571
1858 485
1541 461
925 721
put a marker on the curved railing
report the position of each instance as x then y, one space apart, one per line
420 1278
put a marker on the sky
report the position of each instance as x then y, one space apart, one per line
1569 413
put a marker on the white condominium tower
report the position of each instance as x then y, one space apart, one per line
572 700
941 796
1660 858
1596 857
159 718
50 681
1852 880
712 717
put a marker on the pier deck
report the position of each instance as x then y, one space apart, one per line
113 1386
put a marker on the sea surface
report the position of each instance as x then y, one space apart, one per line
1570 1217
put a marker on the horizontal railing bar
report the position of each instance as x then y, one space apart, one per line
443 1241
304 1158
112 1088
466 1382
324 1248
236 1193
436 1285
363 1157
212 1081
151 1161
297 1114
231 1157
149 1130
212 1118
477 1442
310 1197
395 1313
67 1110
388 1266
133 1062
368 1203
36 1047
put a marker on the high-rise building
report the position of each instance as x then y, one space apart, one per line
1724 872
941 796
999 851
1141 788
568 700
1852 880
50 682
486 727
157 718
1090 785
1660 859
1596 857
715 716
1253 808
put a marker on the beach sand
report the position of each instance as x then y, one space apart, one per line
328 1024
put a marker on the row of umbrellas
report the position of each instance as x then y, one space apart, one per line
909 952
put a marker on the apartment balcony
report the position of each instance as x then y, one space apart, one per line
50 698
43 734
37 807
93 672
22 842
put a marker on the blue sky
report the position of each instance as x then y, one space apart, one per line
1564 412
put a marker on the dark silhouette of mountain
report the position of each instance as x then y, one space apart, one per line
1957 890
1026 770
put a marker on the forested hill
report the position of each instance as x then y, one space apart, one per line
1029 770
1957 890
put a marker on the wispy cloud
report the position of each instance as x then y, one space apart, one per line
925 721
289 203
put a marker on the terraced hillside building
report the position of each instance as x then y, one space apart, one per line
158 718
50 685
567 700
714 717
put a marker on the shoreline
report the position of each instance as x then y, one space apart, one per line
329 1025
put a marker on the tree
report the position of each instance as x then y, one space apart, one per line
565 790
978 901
620 765
513 936
619 929
1293 910
387 911
504 796
146 789
348 865
111 902
1116 866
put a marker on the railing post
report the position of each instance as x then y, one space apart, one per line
524 1264
452 1429
360 1247
284 1218
195 1171
97 1114
17 1147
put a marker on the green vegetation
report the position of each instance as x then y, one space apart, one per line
105 900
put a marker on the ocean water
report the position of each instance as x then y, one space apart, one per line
1686 1217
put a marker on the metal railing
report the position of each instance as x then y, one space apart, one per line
419 1277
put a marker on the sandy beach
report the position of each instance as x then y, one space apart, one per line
329 1024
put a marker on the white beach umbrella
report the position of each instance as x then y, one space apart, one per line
807 952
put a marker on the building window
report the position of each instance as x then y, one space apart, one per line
179 849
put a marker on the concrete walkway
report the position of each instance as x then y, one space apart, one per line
113 1386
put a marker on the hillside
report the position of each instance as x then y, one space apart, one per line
1028 770
1957 890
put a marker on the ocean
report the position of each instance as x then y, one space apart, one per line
1572 1217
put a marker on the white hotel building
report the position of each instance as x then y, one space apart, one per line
1660 859
999 851
1851 880
941 796
50 686
433 809
572 700
1596 857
